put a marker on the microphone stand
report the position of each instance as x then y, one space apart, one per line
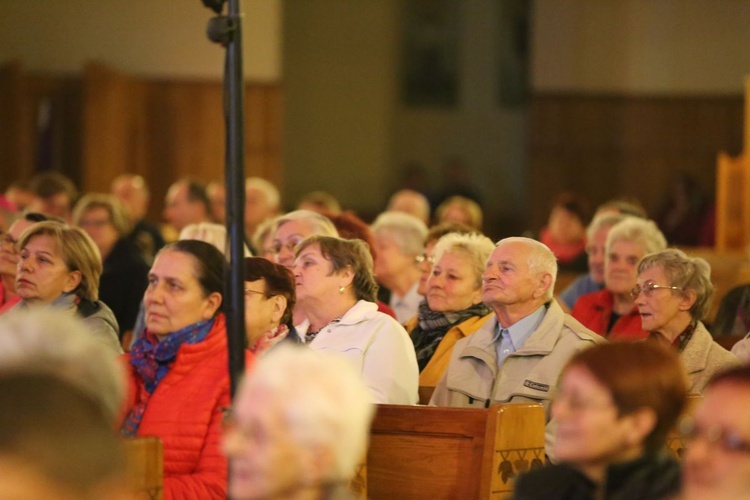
227 30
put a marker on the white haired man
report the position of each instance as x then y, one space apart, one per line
299 427
518 355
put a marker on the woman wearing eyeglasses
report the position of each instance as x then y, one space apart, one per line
269 302
617 402
673 294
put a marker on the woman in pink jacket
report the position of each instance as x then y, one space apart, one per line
178 370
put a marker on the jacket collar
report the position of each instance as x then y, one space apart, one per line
695 354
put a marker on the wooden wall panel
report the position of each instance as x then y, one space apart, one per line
606 146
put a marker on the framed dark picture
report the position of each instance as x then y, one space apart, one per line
514 21
430 48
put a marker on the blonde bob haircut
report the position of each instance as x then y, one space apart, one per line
77 250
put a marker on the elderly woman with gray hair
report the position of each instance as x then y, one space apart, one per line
673 294
399 241
610 312
453 307
336 294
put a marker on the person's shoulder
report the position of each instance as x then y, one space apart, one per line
553 481
575 329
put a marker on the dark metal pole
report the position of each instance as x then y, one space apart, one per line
235 189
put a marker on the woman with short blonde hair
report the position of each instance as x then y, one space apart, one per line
60 266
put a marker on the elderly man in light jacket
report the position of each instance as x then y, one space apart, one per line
518 355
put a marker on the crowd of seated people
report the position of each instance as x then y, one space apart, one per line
476 321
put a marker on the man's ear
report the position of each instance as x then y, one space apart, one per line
545 282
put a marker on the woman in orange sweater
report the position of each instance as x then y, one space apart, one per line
178 370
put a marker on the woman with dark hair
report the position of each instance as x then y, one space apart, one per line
269 303
336 292
178 375
616 404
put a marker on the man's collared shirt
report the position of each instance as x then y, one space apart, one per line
406 307
509 340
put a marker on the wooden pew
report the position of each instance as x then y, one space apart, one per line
419 452
675 443
145 462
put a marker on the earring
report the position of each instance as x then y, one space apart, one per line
341 289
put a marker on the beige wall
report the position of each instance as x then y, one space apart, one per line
641 46
142 37
339 97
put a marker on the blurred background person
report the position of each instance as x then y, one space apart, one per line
262 239
673 295
269 305
716 463
178 381
593 281
262 201
186 203
56 442
611 312
9 258
217 195
60 267
54 195
453 307
410 202
321 202
615 406
133 193
54 342
123 278
565 232
399 241
336 293
315 412
19 194
294 227
462 210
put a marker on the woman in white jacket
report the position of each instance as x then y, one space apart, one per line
336 292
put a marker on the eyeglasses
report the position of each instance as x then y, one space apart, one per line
577 403
424 258
249 292
727 439
276 248
648 288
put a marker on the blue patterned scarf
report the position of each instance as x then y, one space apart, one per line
152 361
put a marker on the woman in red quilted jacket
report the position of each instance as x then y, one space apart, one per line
178 370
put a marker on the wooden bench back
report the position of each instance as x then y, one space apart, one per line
421 452
145 460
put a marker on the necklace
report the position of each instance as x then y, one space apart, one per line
310 336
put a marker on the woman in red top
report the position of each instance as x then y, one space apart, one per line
611 312
178 370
